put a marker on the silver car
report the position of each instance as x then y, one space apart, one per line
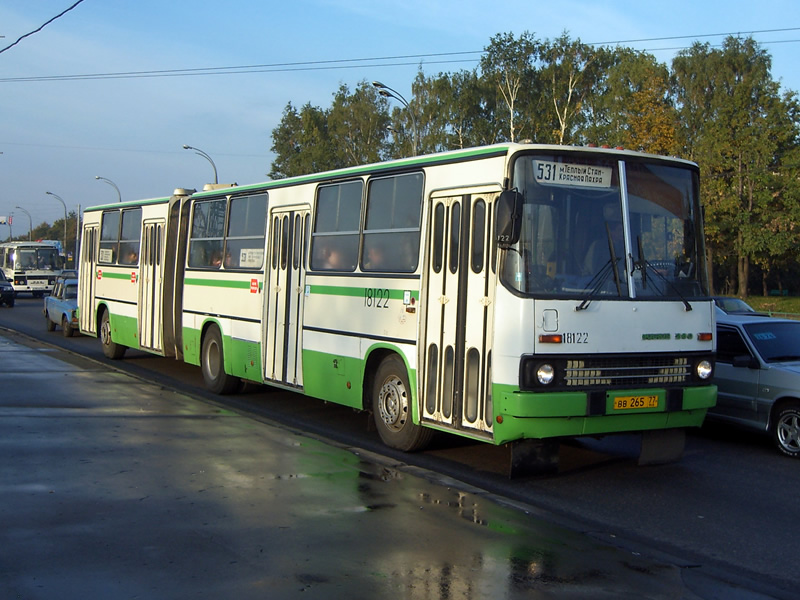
758 377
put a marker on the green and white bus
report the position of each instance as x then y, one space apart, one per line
31 267
516 294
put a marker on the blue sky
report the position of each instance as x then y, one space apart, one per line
58 135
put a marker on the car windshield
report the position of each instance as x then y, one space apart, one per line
733 305
775 341
599 227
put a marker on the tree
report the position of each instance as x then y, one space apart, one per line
570 74
457 111
357 125
302 144
510 66
730 123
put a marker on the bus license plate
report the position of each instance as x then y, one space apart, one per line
41 282
633 402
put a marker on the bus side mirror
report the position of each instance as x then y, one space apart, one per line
508 218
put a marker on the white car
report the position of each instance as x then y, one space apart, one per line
758 377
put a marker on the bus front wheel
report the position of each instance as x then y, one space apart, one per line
213 365
391 408
111 349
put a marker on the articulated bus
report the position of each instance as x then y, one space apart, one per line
516 294
31 267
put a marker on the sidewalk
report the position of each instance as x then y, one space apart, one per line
111 487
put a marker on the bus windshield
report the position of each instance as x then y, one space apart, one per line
601 227
36 259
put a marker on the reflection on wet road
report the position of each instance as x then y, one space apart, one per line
114 487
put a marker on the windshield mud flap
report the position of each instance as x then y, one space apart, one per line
662 446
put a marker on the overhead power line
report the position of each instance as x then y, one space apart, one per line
37 30
351 63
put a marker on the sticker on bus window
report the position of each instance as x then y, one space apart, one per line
251 258
106 255
556 173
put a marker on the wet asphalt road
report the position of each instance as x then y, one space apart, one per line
725 511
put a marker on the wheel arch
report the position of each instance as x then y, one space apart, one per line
204 329
780 403
208 324
101 309
375 355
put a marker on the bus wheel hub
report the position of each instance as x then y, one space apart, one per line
393 404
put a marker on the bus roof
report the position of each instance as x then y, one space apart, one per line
461 155
18 244
128 203
465 154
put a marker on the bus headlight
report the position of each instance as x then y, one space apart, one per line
704 369
537 372
545 374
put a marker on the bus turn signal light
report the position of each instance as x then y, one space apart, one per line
551 338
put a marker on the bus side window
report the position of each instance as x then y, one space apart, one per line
109 236
391 229
130 233
334 244
247 230
207 232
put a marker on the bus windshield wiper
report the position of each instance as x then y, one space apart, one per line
596 284
643 265
610 268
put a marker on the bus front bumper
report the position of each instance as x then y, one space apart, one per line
528 415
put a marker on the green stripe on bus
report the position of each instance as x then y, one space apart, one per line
222 283
357 292
114 275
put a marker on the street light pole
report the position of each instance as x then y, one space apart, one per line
112 184
30 222
64 204
387 92
206 156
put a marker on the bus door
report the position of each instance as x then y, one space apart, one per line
88 279
283 313
456 357
151 283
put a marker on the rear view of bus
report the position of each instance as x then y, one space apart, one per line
602 320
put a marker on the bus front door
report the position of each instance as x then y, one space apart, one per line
88 279
457 354
283 314
151 282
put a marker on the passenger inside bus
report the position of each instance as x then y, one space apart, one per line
131 257
375 259
333 254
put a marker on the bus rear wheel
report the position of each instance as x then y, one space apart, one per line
391 408
111 349
212 363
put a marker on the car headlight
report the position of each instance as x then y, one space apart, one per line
704 369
